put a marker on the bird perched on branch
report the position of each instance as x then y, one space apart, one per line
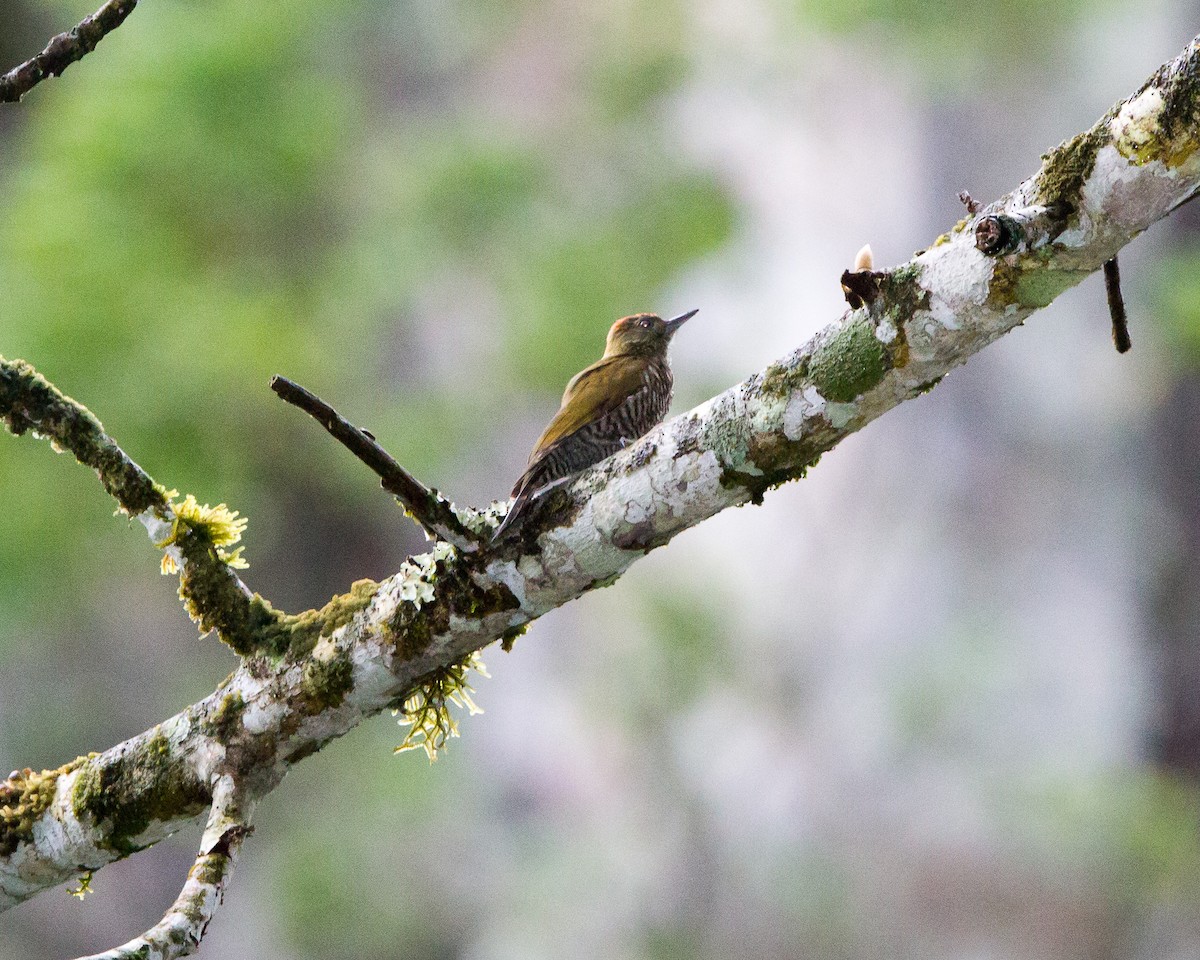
605 407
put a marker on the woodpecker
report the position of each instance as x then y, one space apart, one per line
605 406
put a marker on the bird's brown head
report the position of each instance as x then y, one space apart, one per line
643 334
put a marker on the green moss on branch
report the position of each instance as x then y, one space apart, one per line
217 600
326 683
223 721
1067 167
23 798
849 363
123 795
296 634
1024 281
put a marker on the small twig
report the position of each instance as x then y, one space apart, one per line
1116 306
182 927
64 49
426 506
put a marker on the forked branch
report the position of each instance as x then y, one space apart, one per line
182 927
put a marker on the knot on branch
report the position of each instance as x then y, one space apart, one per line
997 234
861 287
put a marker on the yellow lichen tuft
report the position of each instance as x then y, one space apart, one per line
85 885
427 711
222 527
24 797
234 558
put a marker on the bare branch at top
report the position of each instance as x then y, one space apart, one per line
64 49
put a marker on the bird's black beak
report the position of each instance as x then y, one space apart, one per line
679 321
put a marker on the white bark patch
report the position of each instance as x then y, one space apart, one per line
886 332
1136 124
507 573
531 568
159 530
957 277
802 406
1122 196
261 716
944 314
373 681
575 556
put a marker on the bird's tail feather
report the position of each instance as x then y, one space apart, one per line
514 512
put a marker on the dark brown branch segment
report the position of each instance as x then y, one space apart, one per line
64 49
426 506
860 287
1116 306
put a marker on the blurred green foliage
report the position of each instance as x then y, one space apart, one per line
1175 286
224 191
952 42
196 209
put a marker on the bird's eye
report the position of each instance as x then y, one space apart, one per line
644 323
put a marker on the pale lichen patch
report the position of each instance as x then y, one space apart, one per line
886 332
840 414
262 715
802 406
414 583
531 568
943 313
1135 129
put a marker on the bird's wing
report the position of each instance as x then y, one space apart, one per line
592 393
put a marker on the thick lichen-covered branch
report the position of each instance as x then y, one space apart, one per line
124 793
311 678
64 49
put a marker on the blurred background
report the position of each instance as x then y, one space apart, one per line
938 700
